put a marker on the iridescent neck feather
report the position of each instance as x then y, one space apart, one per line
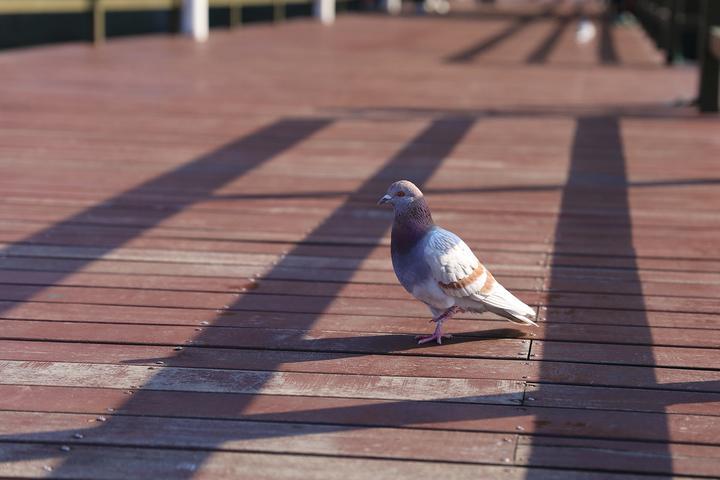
411 224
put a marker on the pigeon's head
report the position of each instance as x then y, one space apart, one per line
401 194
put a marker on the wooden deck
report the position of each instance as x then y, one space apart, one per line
196 281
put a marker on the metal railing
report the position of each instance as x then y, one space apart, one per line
670 22
709 57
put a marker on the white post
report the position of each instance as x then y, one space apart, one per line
325 11
195 21
393 7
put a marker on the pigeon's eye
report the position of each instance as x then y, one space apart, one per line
400 193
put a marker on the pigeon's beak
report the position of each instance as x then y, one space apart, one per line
384 199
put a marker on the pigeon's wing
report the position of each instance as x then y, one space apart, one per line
454 266
460 274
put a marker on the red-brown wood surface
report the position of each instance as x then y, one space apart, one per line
195 280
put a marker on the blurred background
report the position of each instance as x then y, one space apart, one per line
672 23
681 29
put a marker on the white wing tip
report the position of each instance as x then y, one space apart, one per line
523 321
524 318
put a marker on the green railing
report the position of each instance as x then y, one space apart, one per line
97 9
235 7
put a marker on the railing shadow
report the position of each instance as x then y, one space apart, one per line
417 161
188 184
597 153
597 178
607 53
546 187
472 52
543 51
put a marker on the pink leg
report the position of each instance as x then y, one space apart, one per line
437 334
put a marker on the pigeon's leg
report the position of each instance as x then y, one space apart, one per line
447 314
437 334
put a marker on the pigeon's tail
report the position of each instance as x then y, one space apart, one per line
526 317
505 304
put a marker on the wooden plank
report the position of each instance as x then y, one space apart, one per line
626 354
615 334
133 463
636 400
211 217
616 286
624 456
328 321
256 382
268 437
390 298
400 365
600 282
91 253
665 264
314 195
291 361
497 343
699 294
272 437
128 211
343 298
692 305
214 284
380 264
197 270
354 412
631 317
17 213
291 272
184 256
81 279
221 301
489 239
333 329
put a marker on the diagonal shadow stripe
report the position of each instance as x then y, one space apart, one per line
548 187
338 422
471 53
191 182
606 46
417 161
596 154
597 177
542 52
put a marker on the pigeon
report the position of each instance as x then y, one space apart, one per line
439 269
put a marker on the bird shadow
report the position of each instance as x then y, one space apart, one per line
352 346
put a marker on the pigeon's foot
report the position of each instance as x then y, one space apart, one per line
437 334
429 338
